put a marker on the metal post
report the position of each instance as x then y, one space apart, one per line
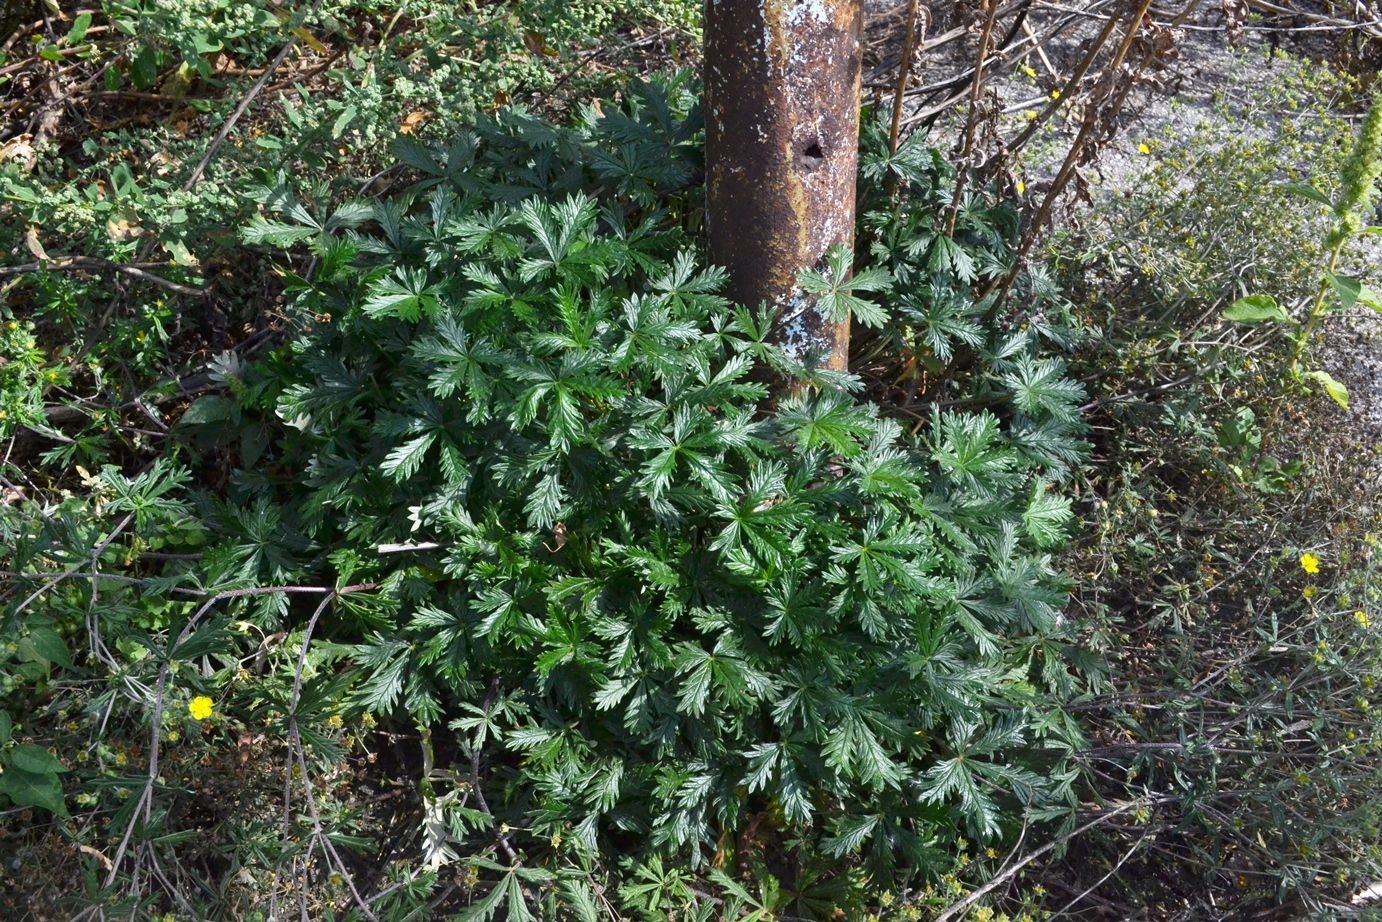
782 137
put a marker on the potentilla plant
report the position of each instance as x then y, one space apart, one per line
637 609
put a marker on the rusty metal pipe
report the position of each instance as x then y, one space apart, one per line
781 149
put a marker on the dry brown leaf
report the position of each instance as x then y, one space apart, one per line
35 246
122 228
21 150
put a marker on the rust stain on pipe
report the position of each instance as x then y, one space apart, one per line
782 136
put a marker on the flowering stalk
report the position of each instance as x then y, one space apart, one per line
1360 174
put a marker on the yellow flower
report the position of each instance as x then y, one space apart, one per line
1143 148
1031 115
1310 563
1021 187
1308 592
199 707
1055 94
1362 618
1029 70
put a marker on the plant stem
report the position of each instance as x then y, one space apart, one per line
1312 320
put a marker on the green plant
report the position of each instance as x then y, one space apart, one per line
1357 192
654 608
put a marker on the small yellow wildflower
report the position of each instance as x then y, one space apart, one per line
1308 592
200 707
1029 70
1143 148
1055 94
1031 115
1309 563
1362 618
1021 187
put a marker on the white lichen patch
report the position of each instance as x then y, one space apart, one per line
808 10
798 340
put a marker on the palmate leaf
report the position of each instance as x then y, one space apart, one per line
508 893
691 290
385 662
954 778
561 235
460 364
970 450
404 294
834 289
828 418
854 749
403 461
1046 516
724 670
280 234
1039 386
850 834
